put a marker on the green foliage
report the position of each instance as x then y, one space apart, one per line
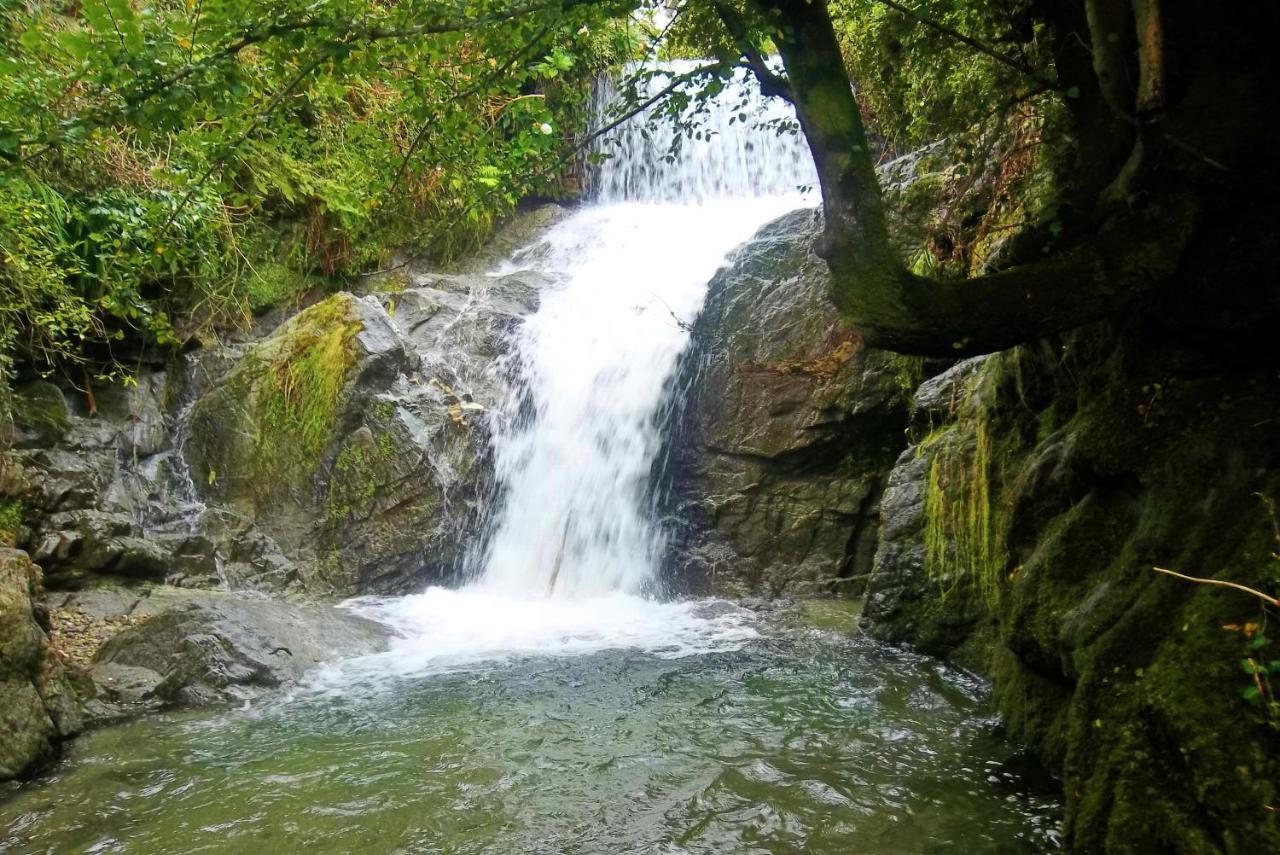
169 168
12 513
919 84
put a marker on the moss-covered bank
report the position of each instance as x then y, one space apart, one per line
1054 480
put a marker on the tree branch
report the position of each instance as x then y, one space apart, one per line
1115 263
1016 64
1266 598
770 82
1146 17
350 34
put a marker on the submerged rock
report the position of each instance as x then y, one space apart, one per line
788 426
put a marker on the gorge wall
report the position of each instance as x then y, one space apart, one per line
1006 514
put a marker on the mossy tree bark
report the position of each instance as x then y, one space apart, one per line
1133 197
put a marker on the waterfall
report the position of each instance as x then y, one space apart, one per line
572 545
576 442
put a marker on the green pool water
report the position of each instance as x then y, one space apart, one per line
804 739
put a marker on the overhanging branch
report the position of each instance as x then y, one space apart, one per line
771 83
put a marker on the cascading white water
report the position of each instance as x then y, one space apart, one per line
573 546
631 272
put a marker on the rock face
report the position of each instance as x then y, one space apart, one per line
37 707
343 453
318 436
354 435
787 429
1019 536
905 602
1018 532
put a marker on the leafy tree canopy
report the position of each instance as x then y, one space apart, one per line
169 166
166 166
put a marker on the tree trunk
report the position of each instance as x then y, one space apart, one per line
1120 260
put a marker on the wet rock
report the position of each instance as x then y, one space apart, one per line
459 325
788 429
520 232
370 481
137 415
39 416
199 648
898 580
1019 539
938 398
903 603
59 479
36 705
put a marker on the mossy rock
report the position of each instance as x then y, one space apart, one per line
13 513
34 712
324 435
39 416
1082 467
261 435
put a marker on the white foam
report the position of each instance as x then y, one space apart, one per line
443 630
575 445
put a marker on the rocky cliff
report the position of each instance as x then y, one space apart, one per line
174 536
1014 527
785 431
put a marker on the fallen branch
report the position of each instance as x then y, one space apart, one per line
1269 600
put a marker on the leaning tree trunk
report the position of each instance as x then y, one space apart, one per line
1123 254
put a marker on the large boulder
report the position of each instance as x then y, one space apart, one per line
788 428
177 647
353 435
37 709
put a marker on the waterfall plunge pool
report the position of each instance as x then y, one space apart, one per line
620 726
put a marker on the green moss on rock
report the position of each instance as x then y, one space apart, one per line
305 372
1055 488
266 429
362 466
962 536
12 514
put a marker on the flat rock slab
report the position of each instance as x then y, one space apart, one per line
201 648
